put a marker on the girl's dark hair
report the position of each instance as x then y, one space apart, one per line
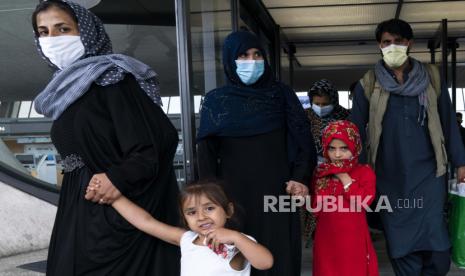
45 5
394 26
213 192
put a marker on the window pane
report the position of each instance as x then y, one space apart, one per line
197 101
166 102
24 109
175 105
210 23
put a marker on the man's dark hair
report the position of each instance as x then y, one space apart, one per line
459 114
394 26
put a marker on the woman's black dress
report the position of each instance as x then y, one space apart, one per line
255 138
118 130
253 167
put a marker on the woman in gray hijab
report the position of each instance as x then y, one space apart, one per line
110 131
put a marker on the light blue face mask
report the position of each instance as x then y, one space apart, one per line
249 71
322 111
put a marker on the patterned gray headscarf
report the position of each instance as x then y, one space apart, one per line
318 123
98 65
326 87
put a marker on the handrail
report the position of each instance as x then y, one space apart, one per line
28 184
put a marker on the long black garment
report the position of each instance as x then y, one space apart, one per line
116 129
252 167
255 138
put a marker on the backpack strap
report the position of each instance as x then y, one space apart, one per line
368 83
435 77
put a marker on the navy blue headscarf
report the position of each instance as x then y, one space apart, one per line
240 110
238 43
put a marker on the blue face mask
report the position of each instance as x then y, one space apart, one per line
322 111
249 71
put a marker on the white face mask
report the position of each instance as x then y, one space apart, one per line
395 55
62 50
322 111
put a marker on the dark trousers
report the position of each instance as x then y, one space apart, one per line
422 263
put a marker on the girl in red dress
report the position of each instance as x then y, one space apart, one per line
341 189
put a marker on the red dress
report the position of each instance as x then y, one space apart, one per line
342 244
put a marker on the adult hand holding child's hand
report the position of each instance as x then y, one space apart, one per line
101 190
296 188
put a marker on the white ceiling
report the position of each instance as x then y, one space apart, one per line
336 35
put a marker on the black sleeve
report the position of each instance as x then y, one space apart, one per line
462 133
359 116
301 147
304 164
450 128
138 165
207 158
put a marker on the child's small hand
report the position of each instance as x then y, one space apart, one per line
296 189
101 190
91 190
344 178
220 236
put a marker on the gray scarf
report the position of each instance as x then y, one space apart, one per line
74 81
416 84
98 65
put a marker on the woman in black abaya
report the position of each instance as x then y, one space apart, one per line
255 137
109 130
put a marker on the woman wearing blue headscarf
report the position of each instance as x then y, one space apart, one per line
109 130
255 137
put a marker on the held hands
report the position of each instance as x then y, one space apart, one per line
101 190
295 188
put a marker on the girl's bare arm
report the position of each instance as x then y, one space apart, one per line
258 255
143 221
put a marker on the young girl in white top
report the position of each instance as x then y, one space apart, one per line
208 248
